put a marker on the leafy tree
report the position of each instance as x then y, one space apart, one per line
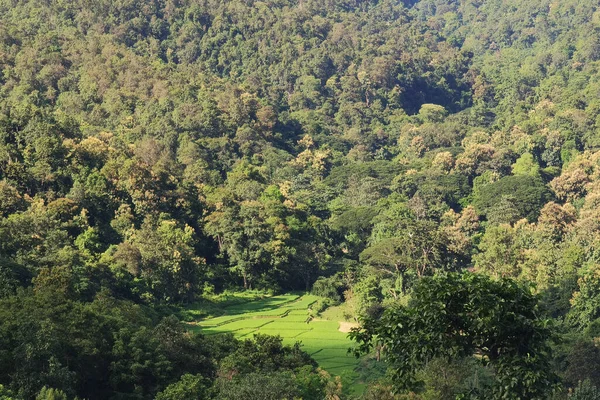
585 391
165 260
505 211
264 353
5 394
460 315
188 387
366 296
583 303
500 253
51 394
268 386
328 287
583 360
402 241
389 256
453 379
526 165
529 194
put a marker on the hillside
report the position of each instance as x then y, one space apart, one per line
155 154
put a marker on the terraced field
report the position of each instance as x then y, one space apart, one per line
288 317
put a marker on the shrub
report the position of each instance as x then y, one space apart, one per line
328 288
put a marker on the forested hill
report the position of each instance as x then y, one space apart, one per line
153 152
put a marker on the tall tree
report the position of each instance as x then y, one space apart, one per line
462 315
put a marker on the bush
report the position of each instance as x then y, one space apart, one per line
329 288
320 305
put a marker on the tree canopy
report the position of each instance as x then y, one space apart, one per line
454 316
156 152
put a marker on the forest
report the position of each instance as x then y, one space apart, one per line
431 166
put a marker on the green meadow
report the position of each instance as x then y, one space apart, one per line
288 316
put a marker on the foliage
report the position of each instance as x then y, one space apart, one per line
50 394
585 391
459 315
582 363
328 288
583 310
273 386
321 337
156 152
264 353
527 193
188 387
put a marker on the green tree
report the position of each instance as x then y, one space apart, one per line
51 394
366 296
585 391
526 165
499 252
5 394
584 308
582 363
506 211
264 353
169 266
461 315
188 387
258 386
529 194
402 241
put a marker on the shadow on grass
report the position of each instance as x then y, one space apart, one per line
267 304
235 304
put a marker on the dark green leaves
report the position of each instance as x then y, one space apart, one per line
453 316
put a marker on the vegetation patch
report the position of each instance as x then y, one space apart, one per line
289 317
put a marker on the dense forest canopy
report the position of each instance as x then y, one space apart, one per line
153 152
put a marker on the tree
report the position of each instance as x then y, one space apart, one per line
264 354
506 211
390 258
168 264
432 113
582 363
526 165
499 252
529 194
584 303
188 387
443 161
585 391
462 315
5 394
366 296
12 276
401 241
462 231
51 394
137 366
259 386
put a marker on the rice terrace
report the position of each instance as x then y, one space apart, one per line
289 316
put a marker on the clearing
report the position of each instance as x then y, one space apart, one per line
288 316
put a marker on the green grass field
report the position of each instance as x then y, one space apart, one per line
287 316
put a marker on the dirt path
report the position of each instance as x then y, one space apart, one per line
347 326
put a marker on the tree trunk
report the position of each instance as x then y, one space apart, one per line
402 284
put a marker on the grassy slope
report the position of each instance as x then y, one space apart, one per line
288 317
